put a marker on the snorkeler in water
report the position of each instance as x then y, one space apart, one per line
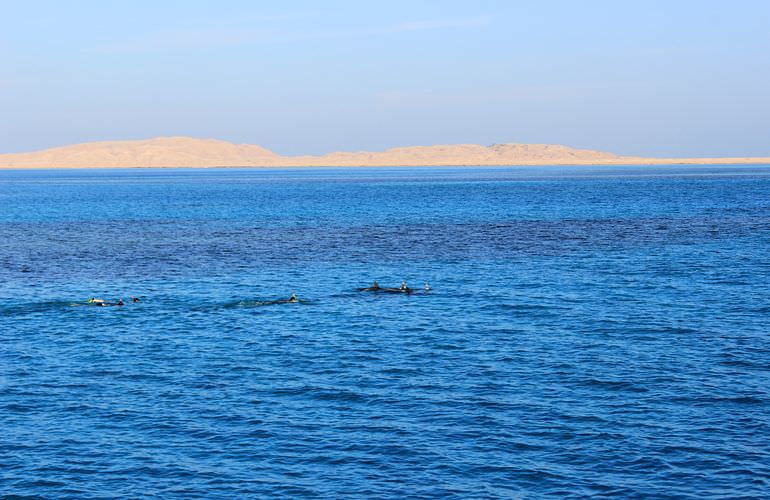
374 288
94 301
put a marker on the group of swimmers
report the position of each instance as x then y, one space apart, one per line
293 299
103 303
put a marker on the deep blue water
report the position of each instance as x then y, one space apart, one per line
591 331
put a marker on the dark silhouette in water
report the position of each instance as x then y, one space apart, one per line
403 288
374 288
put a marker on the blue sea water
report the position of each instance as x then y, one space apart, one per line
591 331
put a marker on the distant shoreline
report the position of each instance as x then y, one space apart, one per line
759 162
188 152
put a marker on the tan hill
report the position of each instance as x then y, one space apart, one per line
464 154
191 152
159 152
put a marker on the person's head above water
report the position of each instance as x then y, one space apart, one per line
135 299
293 297
426 287
403 285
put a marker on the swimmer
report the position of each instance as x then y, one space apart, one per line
293 297
120 302
374 288
426 287
135 299
403 286
94 300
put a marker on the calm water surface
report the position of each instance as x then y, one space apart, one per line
591 331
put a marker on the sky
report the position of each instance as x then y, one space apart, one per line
683 78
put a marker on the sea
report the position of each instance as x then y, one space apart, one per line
588 331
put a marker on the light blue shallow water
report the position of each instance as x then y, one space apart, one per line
592 331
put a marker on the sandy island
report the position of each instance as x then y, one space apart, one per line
191 152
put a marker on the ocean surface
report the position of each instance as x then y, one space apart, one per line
597 331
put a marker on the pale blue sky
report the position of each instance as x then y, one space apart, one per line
663 78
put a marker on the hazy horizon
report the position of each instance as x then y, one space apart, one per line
647 79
